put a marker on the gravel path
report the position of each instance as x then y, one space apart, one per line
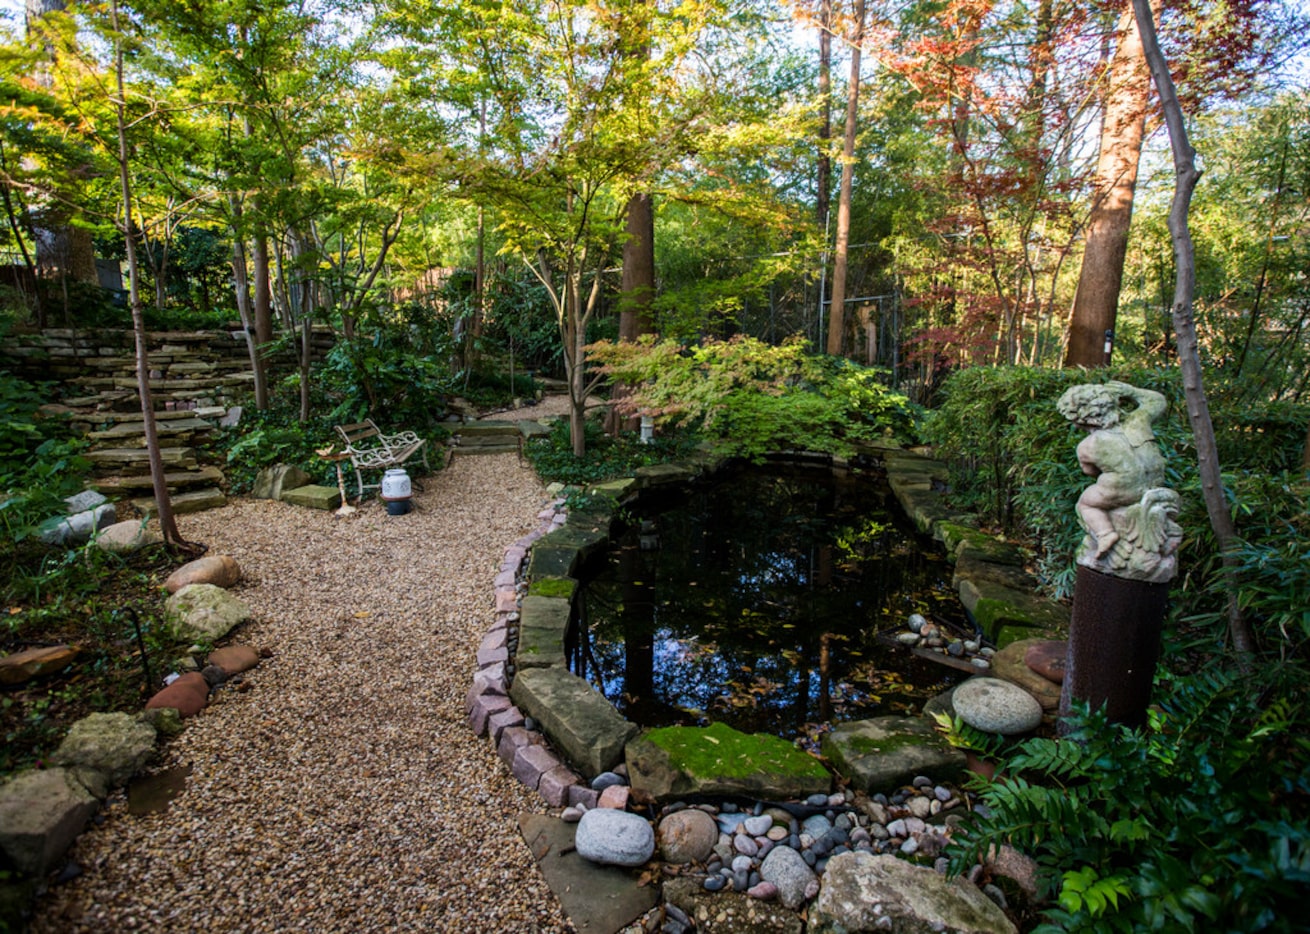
344 790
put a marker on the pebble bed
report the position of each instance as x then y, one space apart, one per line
337 787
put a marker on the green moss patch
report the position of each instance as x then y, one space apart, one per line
720 750
560 587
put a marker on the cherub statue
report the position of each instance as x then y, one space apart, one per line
1128 513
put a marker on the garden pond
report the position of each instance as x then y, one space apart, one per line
756 598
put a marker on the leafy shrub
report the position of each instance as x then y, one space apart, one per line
1012 461
1197 823
749 398
607 458
276 436
40 460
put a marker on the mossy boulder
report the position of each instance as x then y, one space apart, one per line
204 613
677 761
881 754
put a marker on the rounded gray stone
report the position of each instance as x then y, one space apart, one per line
786 869
614 838
996 706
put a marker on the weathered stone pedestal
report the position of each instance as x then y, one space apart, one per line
1114 642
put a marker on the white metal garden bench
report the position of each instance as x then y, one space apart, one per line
370 449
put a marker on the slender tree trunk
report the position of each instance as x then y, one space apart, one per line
837 312
241 279
61 247
1198 407
824 194
1096 302
163 504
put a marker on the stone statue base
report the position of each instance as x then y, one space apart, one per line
1114 641
1146 538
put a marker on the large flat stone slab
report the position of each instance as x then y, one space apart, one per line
597 899
182 503
313 496
580 722
543 624
881 754
678 761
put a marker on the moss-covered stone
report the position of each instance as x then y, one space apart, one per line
558 587
663 474
553 560
313 496
673 762
881 754
614 489
543 624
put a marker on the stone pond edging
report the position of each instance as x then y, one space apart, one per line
522 679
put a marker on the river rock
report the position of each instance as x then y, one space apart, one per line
614 838
79 527
863 892
787 870
687 836
996 706
233 659
114 745
126 537
21 667
1048 658
188 695
204 613
219 570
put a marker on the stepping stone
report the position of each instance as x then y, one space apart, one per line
193 501
313 496
597 899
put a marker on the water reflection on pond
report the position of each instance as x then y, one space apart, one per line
754 600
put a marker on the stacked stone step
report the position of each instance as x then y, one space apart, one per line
488 437
195 376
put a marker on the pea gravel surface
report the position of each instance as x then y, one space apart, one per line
342 790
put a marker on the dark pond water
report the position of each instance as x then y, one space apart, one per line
755 600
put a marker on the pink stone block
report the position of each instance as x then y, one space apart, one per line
515 554
495 671
506 579
581 794
494 639
487 682
505 718
510 741
531 762
507 600
615 796
484 707
489 657
555 784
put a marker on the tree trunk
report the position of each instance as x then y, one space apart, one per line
1096 301
241 279
1198 407
637 289
60 247
837 311
163 504
824 193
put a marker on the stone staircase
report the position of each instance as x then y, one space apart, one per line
196 377
488 437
